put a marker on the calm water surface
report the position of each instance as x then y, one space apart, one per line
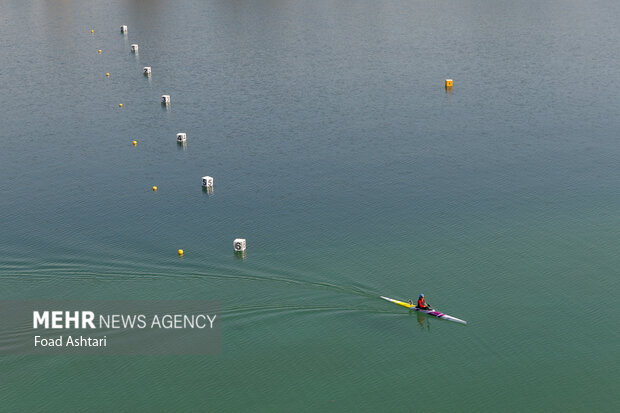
338 154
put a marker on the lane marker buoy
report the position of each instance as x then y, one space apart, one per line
239 245
207 181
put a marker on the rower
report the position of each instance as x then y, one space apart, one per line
422 304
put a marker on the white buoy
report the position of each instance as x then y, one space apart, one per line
147 70
134 48
181 137
165 99
239 245
207 181
123 29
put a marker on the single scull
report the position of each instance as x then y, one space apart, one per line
429 312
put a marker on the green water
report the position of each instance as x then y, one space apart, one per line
339 156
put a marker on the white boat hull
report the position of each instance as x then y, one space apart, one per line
430 312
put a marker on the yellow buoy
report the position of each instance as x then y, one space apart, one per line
92 31
180 253
120 105
449 82
134 143
99 51
107 74
154 188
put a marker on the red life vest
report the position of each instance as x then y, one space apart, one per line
421 302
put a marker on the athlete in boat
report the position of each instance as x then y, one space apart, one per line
422 304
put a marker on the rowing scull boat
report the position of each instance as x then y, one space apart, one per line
429 312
